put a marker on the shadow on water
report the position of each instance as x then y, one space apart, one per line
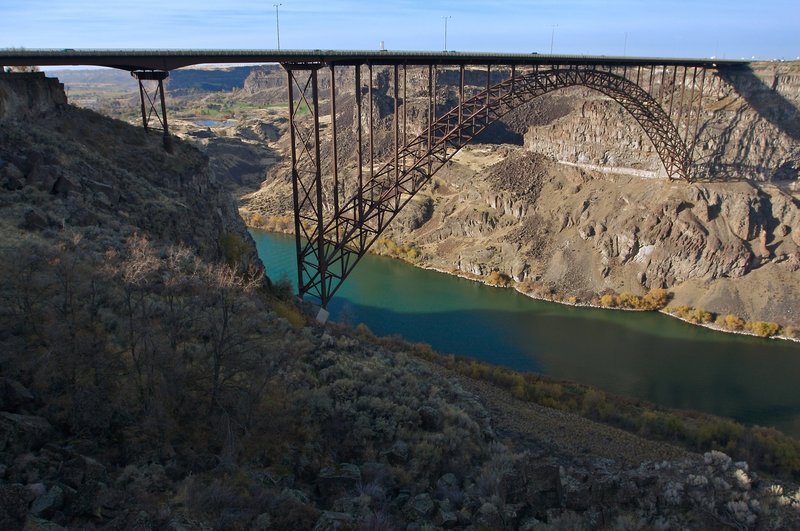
624 354
764 99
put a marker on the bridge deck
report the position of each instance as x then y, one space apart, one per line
172 59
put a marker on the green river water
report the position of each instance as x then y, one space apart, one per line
642 355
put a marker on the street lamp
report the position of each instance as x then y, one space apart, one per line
278 24
552 37
445 31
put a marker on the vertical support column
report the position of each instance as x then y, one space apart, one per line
405 113
431 116
295 187
697 117
513 78
460 101
691 105
312 264
396 139
371 134
144 112
322 265
360 146
167 138
672 90
334 144
488 89
149 104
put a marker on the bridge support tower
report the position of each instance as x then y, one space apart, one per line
150 101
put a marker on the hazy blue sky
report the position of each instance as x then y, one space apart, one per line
699 28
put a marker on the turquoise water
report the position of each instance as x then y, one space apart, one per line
642 355
215 123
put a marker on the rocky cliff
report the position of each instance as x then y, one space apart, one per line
23 94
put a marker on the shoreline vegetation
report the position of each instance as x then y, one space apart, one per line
657 299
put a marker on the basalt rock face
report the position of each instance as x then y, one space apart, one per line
25 94
749 128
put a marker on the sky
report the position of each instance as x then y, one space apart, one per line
761 29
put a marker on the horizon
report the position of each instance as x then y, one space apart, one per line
724 30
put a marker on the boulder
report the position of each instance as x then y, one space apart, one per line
22 433
66 184
13 178
333 521
43 177
447 519
33 523
34 219
334 480
48 503
14 501
13 395
397 454
422 506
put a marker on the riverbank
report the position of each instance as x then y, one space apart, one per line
708 320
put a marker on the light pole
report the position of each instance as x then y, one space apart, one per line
278 24
445 31
552 37
625 46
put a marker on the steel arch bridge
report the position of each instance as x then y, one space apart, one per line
335 224
334 230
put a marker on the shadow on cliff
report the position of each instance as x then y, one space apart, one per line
765 100
742 165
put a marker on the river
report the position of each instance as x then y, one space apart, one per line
642 355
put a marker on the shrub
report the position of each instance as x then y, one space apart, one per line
698 315
289 312
763 328
608 300
233 248
656 299
731 322
496 278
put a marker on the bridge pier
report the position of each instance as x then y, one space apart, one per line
149 104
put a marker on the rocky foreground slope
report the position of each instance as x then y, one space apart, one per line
567 197
148 384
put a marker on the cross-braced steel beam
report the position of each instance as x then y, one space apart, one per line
329 246
150 99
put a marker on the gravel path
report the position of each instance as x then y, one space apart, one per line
543 430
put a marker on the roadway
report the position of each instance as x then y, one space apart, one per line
172 59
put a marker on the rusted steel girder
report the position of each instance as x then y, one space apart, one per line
149 103
328 247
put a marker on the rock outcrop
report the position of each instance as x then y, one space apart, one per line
26 94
